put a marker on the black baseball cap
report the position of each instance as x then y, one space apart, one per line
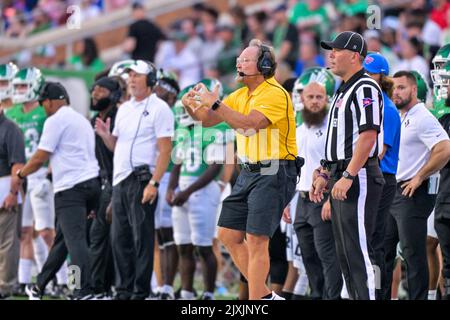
53 91
349 40
107 82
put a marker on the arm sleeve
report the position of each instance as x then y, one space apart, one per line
51 134
132 31
164 123
391 124
291 35
368 104
273 105
230 101
15 145
431 132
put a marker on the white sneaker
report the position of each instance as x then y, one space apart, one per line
274 297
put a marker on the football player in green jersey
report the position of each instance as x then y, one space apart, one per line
441 95
7 73
194 194
166 89
314 74
439 87
38 209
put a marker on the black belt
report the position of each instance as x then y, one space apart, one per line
256 167
304 195
341 165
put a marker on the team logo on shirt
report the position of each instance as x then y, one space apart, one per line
339 103
367 102
407 123
319 133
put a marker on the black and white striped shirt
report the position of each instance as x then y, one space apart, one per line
357 106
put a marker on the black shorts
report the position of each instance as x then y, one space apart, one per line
256 202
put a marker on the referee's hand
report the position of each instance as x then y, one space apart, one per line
318 187
339 191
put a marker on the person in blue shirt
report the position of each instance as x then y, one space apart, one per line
378 68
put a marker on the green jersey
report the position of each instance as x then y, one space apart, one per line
439 108
197 147
31 123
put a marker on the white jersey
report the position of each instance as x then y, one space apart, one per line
138 125
311 146
70 139
420 132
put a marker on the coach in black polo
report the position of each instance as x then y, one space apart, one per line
350 168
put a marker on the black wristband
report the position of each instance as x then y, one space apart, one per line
216 105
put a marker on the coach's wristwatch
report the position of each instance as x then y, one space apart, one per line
154 183
347 175
216 105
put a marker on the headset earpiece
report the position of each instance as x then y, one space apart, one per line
266 65
152 76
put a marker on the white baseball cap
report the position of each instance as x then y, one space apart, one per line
141 67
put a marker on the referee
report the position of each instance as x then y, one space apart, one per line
263 115
351 164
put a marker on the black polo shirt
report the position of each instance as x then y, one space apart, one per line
102 153
12 145
357 106
147 36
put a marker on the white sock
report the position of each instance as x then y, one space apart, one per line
62 274
344 291
40 252
153 283
432 294
301 286
187 295
25 266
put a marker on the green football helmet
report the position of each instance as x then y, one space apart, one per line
33 79
422 86
439 60
314 74
118 69
182 117
440 90
7 73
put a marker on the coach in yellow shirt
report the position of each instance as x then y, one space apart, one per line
262 114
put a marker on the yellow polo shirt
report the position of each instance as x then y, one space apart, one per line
276 105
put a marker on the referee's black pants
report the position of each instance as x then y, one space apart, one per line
132 239
318 249
100 244
409 226
71 209
387 197
442 226
353 221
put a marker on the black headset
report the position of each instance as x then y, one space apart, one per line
266 64
152 76
116 94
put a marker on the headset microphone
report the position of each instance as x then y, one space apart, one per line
241 74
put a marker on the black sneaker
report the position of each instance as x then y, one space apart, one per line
19 290
206 297
89 296
33 292
4 296
60 291
166 296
